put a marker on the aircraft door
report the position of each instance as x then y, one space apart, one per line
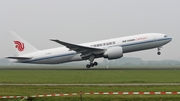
154 37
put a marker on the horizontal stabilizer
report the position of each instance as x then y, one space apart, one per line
19 58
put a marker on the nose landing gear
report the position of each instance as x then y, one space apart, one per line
159 53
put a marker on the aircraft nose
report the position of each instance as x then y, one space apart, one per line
169 39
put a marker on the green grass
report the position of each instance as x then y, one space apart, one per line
107 98
89 76
35 90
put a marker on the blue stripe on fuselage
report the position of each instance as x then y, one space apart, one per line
39 59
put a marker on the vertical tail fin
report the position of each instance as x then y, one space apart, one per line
21 46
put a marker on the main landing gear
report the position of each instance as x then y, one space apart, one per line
159 53
91 64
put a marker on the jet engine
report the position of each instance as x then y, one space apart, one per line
113 53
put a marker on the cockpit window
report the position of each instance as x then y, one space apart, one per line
165 36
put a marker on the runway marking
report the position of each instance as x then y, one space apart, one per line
91 93
122 84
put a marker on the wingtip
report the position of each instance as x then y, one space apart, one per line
52 39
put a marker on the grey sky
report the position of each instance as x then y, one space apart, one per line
80 21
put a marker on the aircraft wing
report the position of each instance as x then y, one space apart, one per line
84 50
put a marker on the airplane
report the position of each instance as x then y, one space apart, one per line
110 49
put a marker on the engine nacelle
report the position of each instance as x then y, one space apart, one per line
113 53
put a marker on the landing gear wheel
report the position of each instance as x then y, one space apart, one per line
91 64
88 66
159 53
95 63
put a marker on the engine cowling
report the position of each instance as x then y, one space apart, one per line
113 53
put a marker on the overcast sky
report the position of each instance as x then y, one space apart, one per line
79 21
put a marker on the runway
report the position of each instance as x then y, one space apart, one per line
84 68
123 84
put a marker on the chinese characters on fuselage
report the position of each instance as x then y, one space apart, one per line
104 44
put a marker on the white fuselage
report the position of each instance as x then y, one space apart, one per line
128 44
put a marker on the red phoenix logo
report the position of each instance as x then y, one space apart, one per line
19 45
